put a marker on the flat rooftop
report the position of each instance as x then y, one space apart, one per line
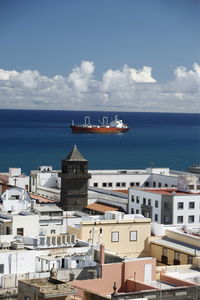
50 287
172 192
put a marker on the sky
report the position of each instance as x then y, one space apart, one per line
111 55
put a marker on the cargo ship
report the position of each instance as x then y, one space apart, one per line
115 126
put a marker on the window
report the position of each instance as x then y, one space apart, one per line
159 184
190 219
110 184
190 260
166 185
144 200
124 184
191 205
149 201
137 211
132 198
104 184
156 217
118 184
115 236
156 203
27 298
53 231
137 184
191 186
154 184
138 199
180 219
146 184
95 184
132 210
1 268
20 231
133 236
180 205
132 183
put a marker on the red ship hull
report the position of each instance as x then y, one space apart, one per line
81 129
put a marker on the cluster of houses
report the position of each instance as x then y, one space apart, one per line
99 234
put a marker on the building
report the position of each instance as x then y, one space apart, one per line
16 199
177 207
74 181
15 177
176 248
44 288
124 179
45 181
124 235
52 219
141 279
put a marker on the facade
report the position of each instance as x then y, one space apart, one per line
51 219
124 235
124 179
178 207
22 224
16 199
176 248
74 181
14 177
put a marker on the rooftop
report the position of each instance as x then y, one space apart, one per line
173 192
50 287
101 207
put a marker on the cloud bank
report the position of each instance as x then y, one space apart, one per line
127 89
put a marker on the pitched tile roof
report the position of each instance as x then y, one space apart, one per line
101 207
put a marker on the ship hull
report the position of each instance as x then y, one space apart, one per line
81 129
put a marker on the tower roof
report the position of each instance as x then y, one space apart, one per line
75 155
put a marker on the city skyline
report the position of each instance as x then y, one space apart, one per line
100 55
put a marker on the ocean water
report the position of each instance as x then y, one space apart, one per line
31 138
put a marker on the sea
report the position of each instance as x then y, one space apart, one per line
33 138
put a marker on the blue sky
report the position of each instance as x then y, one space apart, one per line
106 42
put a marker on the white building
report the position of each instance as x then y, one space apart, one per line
16 199
52 219
45 181
23 224
177 207
36 262
15 177
123 179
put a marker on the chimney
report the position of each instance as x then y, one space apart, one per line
102 256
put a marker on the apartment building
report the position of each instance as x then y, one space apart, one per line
125 235
178 207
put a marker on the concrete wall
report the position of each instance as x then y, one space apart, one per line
134 193
29 223
186 211
124 247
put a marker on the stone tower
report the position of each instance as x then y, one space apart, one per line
74 181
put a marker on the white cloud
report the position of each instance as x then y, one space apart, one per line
127 89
